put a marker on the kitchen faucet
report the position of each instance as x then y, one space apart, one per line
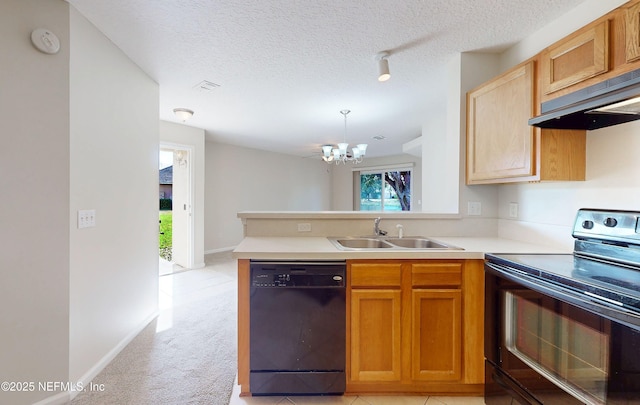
376 227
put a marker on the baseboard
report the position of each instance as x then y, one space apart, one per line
221 250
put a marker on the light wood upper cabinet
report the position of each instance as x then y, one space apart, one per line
575 59
499 141
632 32
503 148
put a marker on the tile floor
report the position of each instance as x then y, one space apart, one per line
353 400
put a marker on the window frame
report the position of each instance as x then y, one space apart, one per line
357 172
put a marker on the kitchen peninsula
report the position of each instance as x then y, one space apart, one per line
414 317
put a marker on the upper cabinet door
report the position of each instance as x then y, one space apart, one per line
632 32
576 59
500 143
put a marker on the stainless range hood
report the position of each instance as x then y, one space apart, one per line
611 102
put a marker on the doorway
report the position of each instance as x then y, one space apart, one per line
176 172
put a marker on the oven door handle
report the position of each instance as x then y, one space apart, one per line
609 308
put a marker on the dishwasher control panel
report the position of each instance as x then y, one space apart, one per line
271 280
265 274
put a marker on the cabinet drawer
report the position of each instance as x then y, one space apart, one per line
576 59
436 274
375 274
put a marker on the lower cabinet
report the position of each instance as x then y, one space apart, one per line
436 334
412 326
375 335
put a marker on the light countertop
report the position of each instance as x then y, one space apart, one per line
319 248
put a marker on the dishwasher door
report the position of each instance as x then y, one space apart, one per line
297 328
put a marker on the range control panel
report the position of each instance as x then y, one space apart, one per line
608 225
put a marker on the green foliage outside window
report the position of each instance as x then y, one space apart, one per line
393 195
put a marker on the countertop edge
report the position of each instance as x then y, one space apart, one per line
319 248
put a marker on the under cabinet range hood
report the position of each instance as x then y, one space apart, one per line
611 102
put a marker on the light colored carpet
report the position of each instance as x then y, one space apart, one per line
186 356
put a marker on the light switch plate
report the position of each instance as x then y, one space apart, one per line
86 218
304 227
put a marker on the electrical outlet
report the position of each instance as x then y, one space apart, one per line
86 218
513 210
474 208
304 227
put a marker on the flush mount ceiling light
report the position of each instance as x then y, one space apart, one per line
341 153
383 66
183 114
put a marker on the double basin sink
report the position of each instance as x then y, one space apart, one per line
381 242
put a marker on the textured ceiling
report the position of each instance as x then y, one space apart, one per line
286 68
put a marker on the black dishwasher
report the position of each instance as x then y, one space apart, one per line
297 327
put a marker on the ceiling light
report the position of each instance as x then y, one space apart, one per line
383 66
341 153
183 114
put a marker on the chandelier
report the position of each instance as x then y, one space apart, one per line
341 153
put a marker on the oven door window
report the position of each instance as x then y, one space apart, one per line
569 346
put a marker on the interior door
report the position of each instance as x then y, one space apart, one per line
181 254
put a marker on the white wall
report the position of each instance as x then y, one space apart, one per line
114 170
547 210
34 213
69 142
242 179
178 134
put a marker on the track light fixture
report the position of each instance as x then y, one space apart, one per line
383 66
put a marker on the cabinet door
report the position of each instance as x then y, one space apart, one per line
375 335
576 59
436 334
632 33
500 143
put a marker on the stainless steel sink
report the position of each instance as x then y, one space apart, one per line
373 243
417 243
362 243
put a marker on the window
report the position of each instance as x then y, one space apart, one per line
385 190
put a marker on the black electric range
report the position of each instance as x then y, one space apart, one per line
565 328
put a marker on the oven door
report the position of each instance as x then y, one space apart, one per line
554 351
